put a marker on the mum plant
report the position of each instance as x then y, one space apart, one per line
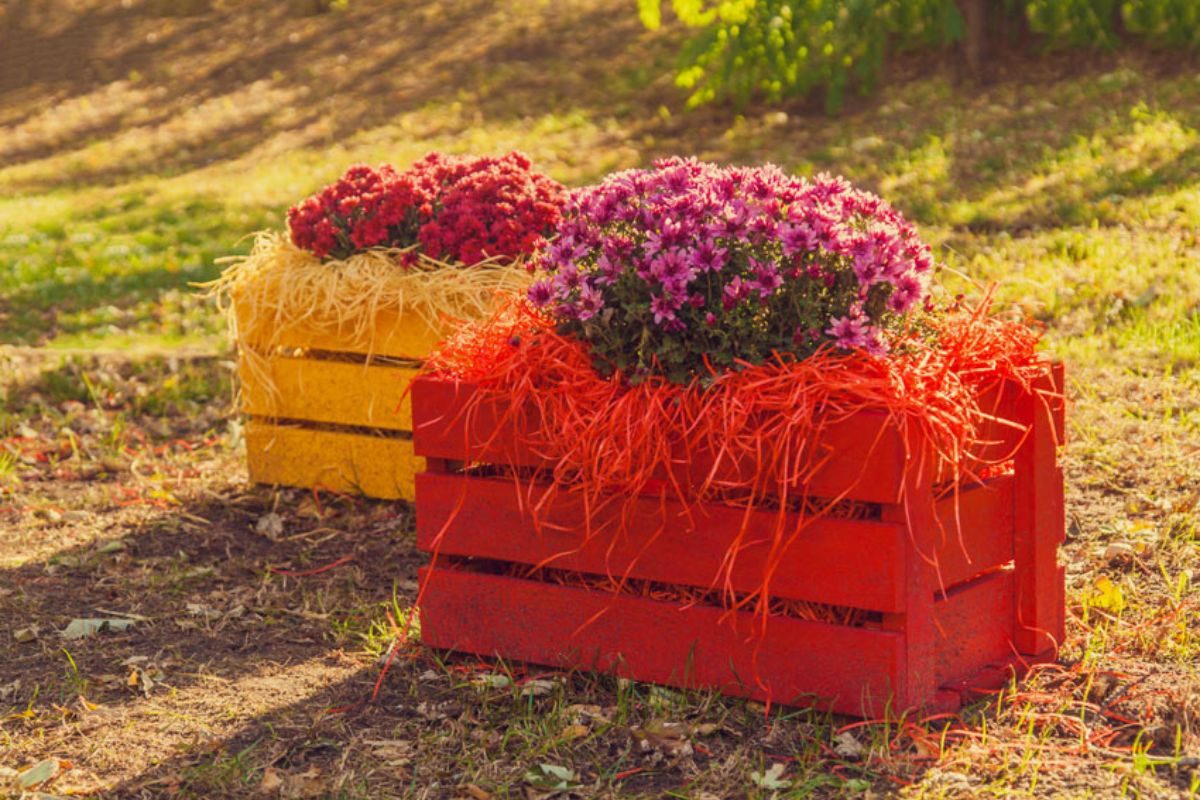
730 313
454 209
689 267
381 239
729 399
374 268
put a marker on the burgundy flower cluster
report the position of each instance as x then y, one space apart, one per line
453 208
689 267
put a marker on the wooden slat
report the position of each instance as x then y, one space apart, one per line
331 391
916 681
798 663
974 627
870 452
1001 432
975 533
840 562
346 462
868 467
406 336
1040 526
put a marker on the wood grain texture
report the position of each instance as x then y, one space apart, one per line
973 627
839 562
974 533
396 335
376 466
1040 524
796 662
338 392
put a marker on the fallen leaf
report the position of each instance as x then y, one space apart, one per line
142 679
492 681
476 792
552 777
666 730
393 752
83 628
537 687
271 783
39 773
846 746
572 732
270 525
25 635
668 738
304 784
1119 554
772 778
1107 595
202 610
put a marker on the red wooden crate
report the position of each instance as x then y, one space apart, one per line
993 605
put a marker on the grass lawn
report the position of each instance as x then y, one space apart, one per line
152 143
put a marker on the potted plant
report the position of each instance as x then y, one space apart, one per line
730 441
333 319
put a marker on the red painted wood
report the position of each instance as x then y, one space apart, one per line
1000 432
975 532
870 452
974 626
839 562
1040 527
916 682
982 682
925 643
798 663
1058 405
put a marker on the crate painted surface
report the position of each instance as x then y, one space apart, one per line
953 607
375 466
328 411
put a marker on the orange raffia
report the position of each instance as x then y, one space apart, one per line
611 441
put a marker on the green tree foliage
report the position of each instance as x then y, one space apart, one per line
772 49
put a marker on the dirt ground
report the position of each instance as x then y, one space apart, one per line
142 139
261 620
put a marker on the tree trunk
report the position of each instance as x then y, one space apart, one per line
976 48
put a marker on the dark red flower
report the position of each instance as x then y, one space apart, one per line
457 209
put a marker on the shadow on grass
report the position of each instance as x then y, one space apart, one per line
218 634
352 71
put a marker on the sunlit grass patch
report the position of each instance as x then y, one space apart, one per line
1077 193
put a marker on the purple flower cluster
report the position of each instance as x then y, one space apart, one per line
690 266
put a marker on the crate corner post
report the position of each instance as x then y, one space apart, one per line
1039 512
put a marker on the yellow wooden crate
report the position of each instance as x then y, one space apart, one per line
329 412
376 466
399 336
335 392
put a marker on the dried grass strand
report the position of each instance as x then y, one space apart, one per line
278 287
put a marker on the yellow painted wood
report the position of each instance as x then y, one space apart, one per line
376 466
344 393
405 336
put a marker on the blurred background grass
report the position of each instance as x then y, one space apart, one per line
138 144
